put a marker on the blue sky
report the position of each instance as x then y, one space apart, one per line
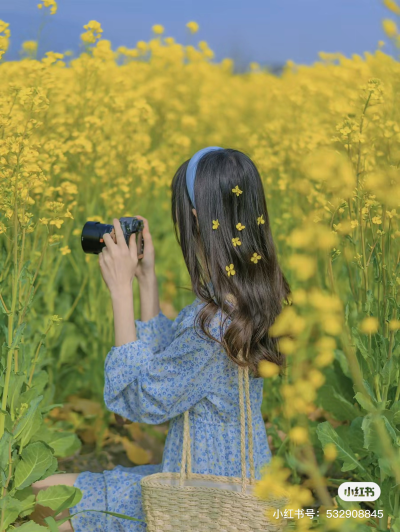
266 31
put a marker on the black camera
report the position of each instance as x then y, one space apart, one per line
92 234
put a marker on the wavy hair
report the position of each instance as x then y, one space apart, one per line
257 290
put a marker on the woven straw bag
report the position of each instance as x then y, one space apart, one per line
182 502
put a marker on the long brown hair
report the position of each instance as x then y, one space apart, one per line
257 289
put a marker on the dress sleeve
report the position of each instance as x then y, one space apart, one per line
152 388
156 333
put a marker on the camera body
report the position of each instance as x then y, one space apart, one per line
92 234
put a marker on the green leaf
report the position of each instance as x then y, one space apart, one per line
22 494
17 336
55 496
341 358
114 514
364 401
327 434
27 498
354 436
63 443
369 390
396 350
52 524
49 408
31 428
12 507
40 381
359 343
5 441
390 372
73 340
16 382
372 440
32 527
384 497
396 409
336 404
27 419
36 459
51 470
385 467
395 525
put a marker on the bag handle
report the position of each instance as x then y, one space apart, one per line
243 373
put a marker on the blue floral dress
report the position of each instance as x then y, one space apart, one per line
171 367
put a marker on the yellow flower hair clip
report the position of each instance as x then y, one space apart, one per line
230 270
239 226
260 220
236 241
215 224
255 258
237 191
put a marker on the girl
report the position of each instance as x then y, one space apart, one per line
160 368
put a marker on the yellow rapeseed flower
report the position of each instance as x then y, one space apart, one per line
93 32
142 46
316 378
255 258
260 220
240 227
389 27
65 250
303 265
268 369
236 241
57 222
158 29
230 270
298 435
237 191
193 27
287 346
391 4
4 37
52 4
354 223
215 224
324 359
369 325
330 452
29 46
394 325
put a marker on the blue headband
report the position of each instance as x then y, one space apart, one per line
191 170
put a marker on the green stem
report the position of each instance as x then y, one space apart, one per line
396 398
11 314
391 338
377 390
396 503
37 353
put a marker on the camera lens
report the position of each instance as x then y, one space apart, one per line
92 236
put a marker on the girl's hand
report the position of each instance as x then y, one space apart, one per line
118 262
145 267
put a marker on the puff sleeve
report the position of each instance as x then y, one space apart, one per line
156 333
150 387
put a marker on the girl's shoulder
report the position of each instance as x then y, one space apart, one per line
187 319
